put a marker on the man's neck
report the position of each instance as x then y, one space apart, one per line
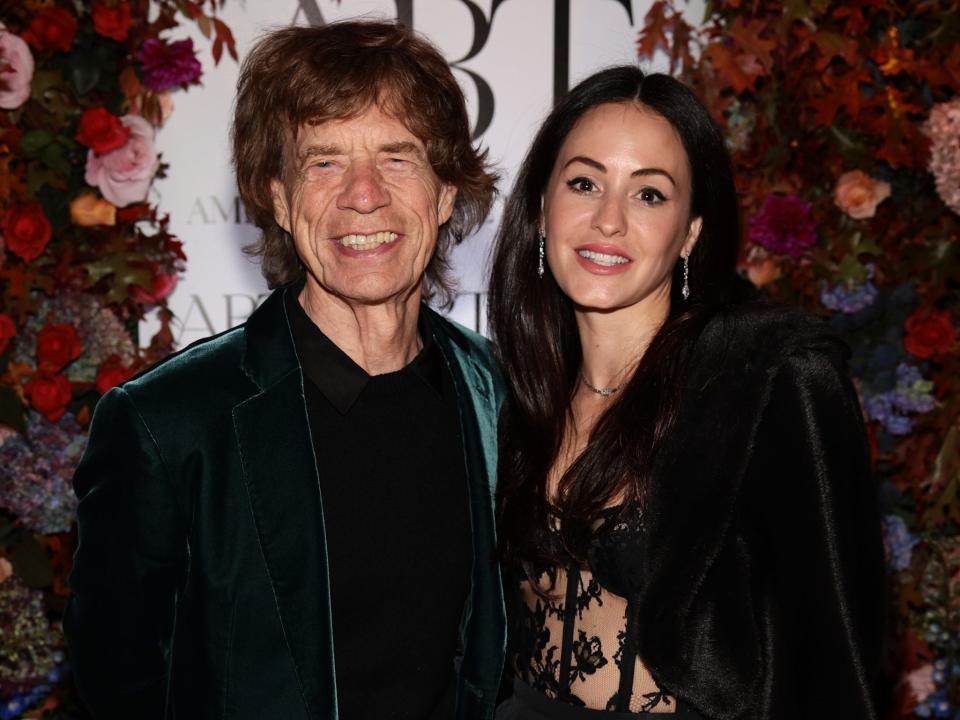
380 338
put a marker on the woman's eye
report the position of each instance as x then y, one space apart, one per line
581 185
651 195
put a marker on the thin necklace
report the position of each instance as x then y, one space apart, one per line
603 392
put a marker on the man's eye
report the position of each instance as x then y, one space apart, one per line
581 185
651 195
323 164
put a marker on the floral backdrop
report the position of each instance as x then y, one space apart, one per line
84 88
843 120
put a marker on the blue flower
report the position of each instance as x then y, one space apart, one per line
848 298
899 541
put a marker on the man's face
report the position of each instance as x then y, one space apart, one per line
363 206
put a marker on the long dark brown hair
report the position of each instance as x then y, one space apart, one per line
534 330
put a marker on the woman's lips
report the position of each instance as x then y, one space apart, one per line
603 259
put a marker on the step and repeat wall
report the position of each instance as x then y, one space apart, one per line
511 57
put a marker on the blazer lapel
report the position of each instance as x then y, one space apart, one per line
280 473
483 629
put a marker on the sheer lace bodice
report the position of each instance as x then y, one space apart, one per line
575 638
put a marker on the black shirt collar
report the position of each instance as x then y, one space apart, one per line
335 374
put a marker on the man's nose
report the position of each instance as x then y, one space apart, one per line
364 190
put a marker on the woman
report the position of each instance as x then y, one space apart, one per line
685 506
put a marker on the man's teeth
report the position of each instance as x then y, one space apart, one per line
367 242
602 258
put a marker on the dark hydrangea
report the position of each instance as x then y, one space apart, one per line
36 472
29 646
167 65
911 394
784 226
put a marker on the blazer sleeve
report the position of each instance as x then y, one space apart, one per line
132 551
822 560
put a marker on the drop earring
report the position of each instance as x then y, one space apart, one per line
542 238
685 290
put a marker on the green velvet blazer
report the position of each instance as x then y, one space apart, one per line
200 586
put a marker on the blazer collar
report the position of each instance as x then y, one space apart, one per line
269 353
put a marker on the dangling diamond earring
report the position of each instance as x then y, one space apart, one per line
685 290
542 238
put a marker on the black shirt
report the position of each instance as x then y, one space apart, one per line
396 514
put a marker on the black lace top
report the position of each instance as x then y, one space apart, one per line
574 635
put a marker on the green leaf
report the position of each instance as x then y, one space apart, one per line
6 530
34 141
39 177
30 562
124 274
55 159
84 77
11 410
850 270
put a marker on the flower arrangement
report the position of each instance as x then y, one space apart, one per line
843 121
84 87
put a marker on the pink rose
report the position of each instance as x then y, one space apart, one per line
920 682
16 70
124 175
858 194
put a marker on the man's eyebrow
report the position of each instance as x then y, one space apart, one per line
402 147
317 150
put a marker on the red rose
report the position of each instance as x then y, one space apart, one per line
26 231
48 394
160 286
111 374
929 333
57 345
101 131
112 22
7 331
53 28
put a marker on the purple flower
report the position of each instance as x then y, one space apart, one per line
167 65
784 226
899 541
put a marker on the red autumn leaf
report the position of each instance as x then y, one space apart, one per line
747 36
225 36
736 70
835 45
843 91
855 21
653 35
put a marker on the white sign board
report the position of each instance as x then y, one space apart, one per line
510 57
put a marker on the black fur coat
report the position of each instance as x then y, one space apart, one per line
762 567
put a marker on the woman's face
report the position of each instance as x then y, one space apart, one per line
616 210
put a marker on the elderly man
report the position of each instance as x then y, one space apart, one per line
294 519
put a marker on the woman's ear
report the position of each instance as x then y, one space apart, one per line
693 234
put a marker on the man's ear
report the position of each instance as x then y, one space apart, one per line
281 209
445 203
693 234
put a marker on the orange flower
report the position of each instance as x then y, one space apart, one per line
858 194
88 210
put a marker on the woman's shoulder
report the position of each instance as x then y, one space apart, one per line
757 337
